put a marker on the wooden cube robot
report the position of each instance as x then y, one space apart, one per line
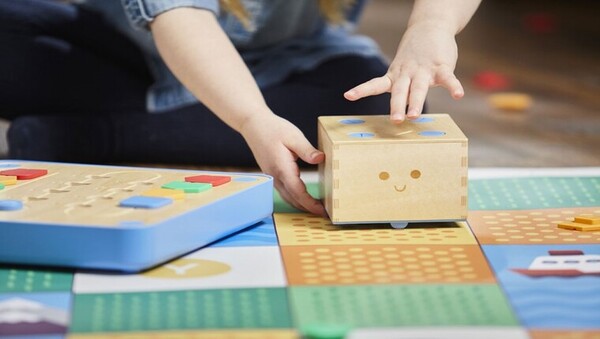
379 172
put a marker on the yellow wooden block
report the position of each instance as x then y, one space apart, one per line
376 171
511 101
579 227
8 180
165 193
593 220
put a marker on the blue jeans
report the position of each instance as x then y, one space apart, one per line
75 90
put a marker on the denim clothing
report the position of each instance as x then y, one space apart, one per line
284 37
75 86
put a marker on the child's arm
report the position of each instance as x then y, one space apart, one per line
199 53
426 57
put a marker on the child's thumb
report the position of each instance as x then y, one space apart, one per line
311 155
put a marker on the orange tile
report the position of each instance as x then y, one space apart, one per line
543 334
385 264
530 226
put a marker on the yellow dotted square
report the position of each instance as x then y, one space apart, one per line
307 229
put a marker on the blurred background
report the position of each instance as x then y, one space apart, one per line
545 51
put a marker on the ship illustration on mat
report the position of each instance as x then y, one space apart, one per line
563 263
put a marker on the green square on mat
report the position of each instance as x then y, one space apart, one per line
280 206
22 280
1 186
401 305
181 310
533 193
187 187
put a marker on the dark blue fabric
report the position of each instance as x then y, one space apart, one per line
75 92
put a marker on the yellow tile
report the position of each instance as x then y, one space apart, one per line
306 229
165 193
8 180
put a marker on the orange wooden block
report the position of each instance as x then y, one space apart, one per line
594 220
8 180
579 226
511 101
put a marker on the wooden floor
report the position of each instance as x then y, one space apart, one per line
560 70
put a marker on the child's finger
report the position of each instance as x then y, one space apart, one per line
285 195
398 100
447 79
418 92
300 146
374 86
296 191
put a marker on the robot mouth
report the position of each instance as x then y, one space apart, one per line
399 189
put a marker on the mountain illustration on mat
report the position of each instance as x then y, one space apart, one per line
20 316
563 263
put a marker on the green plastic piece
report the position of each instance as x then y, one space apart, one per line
181 310
21 280
401 305
1 186
188 187
280 206
325 331
534 193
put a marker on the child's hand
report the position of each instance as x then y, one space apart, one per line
277 144
426 57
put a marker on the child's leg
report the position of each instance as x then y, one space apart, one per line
62 69
194 135
61 59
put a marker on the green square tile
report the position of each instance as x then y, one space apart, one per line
534 193
181 310
23 280
401 305
187 187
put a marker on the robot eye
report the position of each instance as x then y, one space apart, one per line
384 175
415 174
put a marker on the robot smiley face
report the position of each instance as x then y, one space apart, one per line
401 187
